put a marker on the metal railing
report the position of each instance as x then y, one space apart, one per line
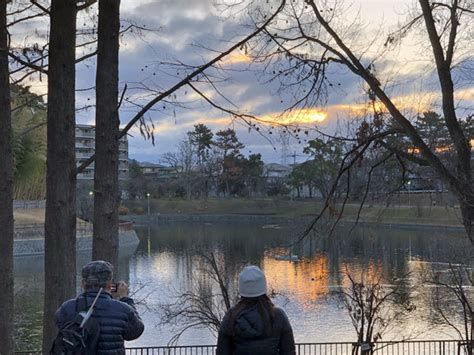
422 347
27 204
418 347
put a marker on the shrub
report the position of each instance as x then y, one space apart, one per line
123 210
139 210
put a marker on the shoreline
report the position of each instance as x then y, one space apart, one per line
24 247
273 219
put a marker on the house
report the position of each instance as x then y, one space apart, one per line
275 172
157 171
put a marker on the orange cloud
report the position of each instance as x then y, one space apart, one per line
302 116
417 102
405 102
236 58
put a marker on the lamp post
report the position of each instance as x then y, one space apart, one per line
409 183
148 203
149 241
90 208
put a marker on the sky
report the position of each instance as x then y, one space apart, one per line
191 32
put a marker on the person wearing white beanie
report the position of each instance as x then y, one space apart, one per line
254 325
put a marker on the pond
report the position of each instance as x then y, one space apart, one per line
168 262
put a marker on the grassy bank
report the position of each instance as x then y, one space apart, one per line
29 216
34 217
434 215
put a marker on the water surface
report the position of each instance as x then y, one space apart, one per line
167 262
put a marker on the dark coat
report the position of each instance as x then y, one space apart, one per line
118 320
255 334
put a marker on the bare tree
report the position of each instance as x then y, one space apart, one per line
206 304
184 162
453 298
60 220
106 178
373 307
308 38
6 193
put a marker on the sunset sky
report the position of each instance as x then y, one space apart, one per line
184 30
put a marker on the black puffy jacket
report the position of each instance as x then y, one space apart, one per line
249 335
118 320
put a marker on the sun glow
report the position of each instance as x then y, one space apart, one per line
236 58
303 116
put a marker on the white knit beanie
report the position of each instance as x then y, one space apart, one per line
252 282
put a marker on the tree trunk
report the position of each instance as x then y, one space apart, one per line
106 183
467 210
6 194
60 219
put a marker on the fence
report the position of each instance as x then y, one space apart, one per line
25 204
36 230
420 347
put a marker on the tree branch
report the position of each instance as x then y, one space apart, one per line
185 81
27 64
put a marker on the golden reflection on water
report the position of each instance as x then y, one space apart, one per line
308 280
371 273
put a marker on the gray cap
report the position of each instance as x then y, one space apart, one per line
97 272
252 282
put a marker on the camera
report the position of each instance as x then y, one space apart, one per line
113 287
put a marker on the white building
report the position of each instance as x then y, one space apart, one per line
275 172
85 148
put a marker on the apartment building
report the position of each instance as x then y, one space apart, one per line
85 148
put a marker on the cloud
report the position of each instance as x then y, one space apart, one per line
236 57
296 117
191 32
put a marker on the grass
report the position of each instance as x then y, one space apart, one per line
432 215
437 215
34 216
29 216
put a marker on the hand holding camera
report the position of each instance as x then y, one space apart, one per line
119 290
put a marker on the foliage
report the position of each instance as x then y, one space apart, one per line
123 210
253 173
277 188
138 210
204 165
227 143
137 184
29 143
201 139
321 171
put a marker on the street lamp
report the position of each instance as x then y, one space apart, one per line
409 183
148 202
90 207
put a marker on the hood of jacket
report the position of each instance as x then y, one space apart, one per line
250 324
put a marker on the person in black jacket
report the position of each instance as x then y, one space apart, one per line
255 325
115 311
